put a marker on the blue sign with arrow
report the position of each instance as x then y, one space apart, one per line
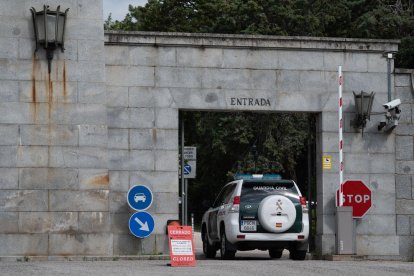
141 224
139 197
187 169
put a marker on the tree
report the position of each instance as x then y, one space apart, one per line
391 19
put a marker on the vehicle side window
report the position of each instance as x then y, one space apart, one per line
224 195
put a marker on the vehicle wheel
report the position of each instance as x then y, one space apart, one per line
275 253
208 250
298 255
225 252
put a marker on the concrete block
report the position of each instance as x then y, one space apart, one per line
412 225
405 94
118 138
404 148
141 118
200 57
158 182
373 163
48 178
164 97
405 129
403 186
93 179
86 157
166 139
23 244
130 76
48 222
160 221
325 244
48 135
326 224
382 204
166 118
81 114
9 135
126 245
18 113
357 81
243 58
153 56
120 223
142 160
23 200
376 225
407 247
143 138
92 93
9 222
148 246
32 156
94 222
79 200
406 114
8 156
9 91
293 60
402 80
382 183
143 96
90 50
116 55
166 203
403 225
404 206
377 245
117 96
37 91
90 9
119 181
405 167
162 244
166 160
84 28
9 178
81 244
178 77
9 47
118 202
118 117
119 160
376 63
93 135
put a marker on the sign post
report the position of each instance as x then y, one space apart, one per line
189 163
181 246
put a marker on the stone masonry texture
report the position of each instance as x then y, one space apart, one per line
74 142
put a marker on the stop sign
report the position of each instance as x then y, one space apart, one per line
357 195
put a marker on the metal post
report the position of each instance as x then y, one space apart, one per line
182 173
389 58
186 202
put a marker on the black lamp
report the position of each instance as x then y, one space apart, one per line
49 30
363 106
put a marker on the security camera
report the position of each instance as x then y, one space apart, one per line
392 104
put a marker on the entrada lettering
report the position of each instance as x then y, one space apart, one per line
250 101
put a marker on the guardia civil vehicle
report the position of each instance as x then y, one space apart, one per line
261 212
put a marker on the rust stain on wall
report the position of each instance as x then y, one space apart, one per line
50 96
34 92
65 94
99 180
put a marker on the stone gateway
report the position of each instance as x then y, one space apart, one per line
73 141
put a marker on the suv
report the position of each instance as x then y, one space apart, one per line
257 212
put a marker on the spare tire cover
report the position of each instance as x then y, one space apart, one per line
277 213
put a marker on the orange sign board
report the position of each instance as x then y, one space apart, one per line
181 246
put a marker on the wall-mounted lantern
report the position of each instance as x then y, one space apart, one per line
363 106
49 30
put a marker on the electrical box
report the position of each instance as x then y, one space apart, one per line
345 231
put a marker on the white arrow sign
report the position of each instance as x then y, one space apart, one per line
144 226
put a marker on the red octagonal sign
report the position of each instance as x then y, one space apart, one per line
357 195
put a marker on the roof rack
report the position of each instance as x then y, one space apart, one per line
247 176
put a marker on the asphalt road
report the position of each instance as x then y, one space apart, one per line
246 263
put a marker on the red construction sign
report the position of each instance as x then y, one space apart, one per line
181 246
357 195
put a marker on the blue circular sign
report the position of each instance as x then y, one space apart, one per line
139 197
141 224
187 169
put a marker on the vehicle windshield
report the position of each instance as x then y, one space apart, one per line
255 191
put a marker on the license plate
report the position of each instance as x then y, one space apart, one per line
249 225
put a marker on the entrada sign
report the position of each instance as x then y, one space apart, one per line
249 102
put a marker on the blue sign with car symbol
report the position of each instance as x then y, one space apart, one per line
139 197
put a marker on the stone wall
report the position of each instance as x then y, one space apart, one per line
404 148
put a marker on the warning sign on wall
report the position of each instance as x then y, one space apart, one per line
181 245
327 162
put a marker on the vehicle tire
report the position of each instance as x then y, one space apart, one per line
275 253
298 255
208 250
225 252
